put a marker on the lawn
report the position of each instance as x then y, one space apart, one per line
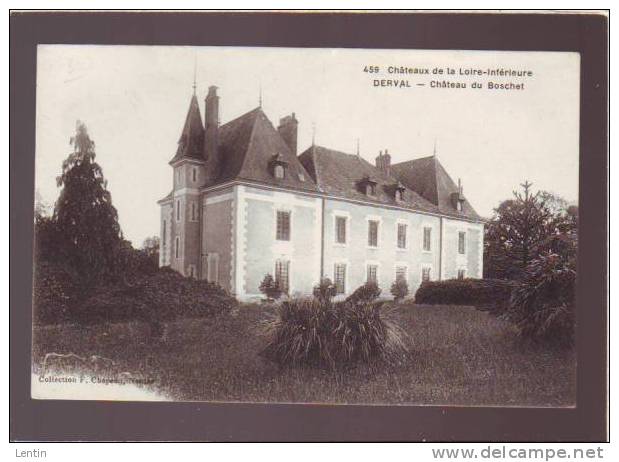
459 356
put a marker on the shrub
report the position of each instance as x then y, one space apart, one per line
325 290
481 293
270 288
366 293
542 306
153 299
399 289
308 332
55 288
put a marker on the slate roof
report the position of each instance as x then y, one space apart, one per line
339 174
430 180
191 141
248 146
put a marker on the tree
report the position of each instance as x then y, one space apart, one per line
325 290
151 246
516 231
41 207
86 220
399 289
270 287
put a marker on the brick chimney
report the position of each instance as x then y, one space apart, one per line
211 134
383 161
288 131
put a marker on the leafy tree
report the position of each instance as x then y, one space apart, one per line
86 221
542 306
325 290
522 228
151 246
399 289
366 293
270 287
41 207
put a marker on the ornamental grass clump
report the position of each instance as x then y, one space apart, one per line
311 332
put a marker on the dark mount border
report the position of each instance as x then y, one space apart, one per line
32 420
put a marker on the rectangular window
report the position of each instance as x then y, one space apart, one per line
400 273
461 242
178 210
283 226
373 233
461 274
340 230
425 274
282 274
194 174
339 278
427 239
177 246
163 233
401 236
212 267
372 273
193 211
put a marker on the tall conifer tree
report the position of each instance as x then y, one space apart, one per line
85 217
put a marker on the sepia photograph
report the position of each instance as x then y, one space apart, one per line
287 225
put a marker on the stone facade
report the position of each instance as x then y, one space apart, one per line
256 208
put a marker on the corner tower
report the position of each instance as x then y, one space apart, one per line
180 210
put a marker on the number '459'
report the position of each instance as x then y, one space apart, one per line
371 69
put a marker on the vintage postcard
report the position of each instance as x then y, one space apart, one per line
283 225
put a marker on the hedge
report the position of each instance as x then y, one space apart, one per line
492 294
157 297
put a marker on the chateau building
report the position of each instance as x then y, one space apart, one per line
245 204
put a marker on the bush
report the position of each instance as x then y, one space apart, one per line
399 289
366 293
55 288
308 332
481 293
270 288
155 298
325 290
542 306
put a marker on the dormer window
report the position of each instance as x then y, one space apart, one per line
457 198
279 171
278 166
398 190
368 186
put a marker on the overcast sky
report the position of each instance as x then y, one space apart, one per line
134 101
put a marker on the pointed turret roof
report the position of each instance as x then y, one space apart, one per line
191 141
